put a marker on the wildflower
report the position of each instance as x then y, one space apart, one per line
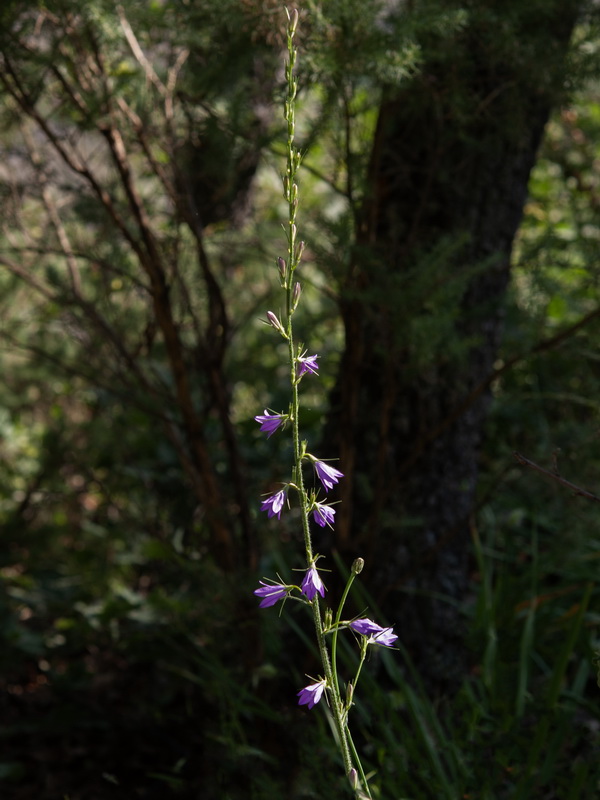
273 504
310 695
312 583
376 634
328 476
270 422
307 364
271 593
323 514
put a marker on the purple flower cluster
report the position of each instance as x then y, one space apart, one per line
322 513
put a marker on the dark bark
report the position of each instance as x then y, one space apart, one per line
422 309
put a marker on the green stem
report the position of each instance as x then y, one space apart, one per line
361 771
338 708
336 628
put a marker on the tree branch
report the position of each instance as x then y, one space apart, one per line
577 490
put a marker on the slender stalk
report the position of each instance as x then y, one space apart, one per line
293 257
336 623
323 513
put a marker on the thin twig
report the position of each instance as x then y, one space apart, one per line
139 53
577 490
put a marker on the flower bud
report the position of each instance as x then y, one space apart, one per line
297 291
353 778
282 266
293 17
272 320
357 566
349 694
299 251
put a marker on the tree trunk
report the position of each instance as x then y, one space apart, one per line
422 310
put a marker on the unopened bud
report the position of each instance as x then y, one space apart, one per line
297 291
349 694
353 778
293 17
272 319
299 251
357 566
282 266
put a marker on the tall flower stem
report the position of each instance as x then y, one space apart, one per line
290 188
292 289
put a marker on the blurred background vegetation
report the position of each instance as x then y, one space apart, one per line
142 147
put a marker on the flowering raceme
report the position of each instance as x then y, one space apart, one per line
328 476
312 584
269 422
376 634
310 695
271 593
273 504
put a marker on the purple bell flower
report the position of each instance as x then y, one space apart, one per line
323 514
274 504
376 634
312 584
271 593
269 422
310 695
328 476
307 364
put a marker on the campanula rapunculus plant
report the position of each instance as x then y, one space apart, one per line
312 590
